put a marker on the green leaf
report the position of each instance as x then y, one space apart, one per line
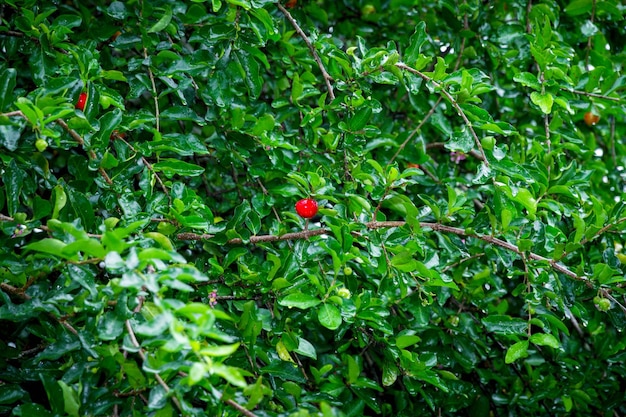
250 70
405 341
306 348
11 393
172 167
505 325
461 140
10 134
524 197
404 261
31 112
390 373
360 118
70 400
221 350
7 85
578 7
50 246
285 371
516 351
90 247
178 113
545 339
528 79
412 52
329 316
299 300
440 69
165 20
544 101
243 3
60 199
110 327
229 373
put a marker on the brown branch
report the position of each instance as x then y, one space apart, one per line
155 96
590 38
472 152
305 234
142 354
325 74
21 294
74 136
595 95
147 163
17 292
13 113
414 132
241 409
509 246
454 103
380 225
603 230
90 152
12 33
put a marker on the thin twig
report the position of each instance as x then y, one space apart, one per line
257 239
603 230
74 136
474 153
595 95
325 74
90 152
454 103
147 163
142 354
590 38
266 193
239 408
19 293
414 132
13 113
155 96
529 7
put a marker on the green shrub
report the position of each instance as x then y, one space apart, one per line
467 257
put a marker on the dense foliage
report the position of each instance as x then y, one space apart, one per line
467 257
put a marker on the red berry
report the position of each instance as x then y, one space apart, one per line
82 100
306 208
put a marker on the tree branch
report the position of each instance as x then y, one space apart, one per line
21 294
142 354
74 135
325 74
454 103
438 227
90 152
241 409
595 95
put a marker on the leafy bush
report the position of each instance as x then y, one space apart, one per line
467 257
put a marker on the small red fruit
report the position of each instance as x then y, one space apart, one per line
306 208
591 119
82 100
